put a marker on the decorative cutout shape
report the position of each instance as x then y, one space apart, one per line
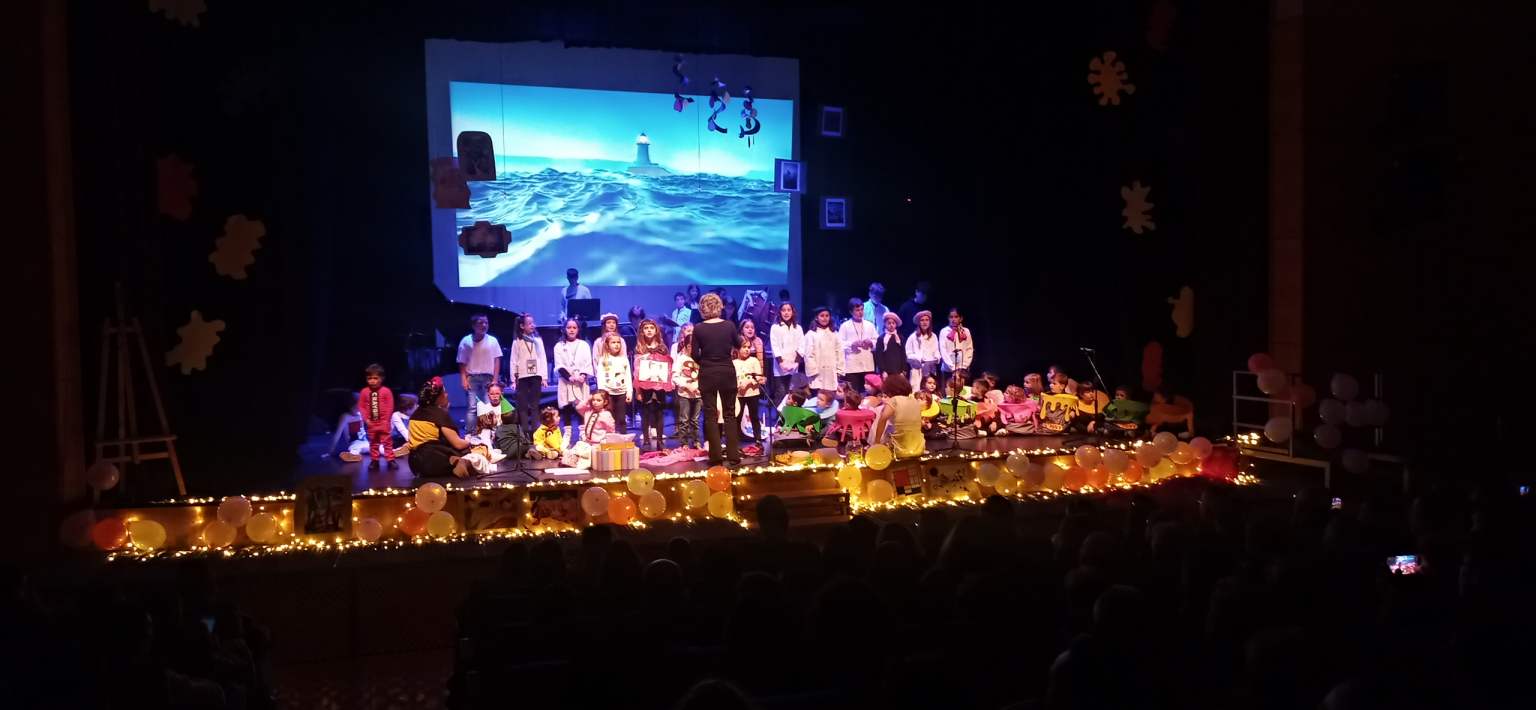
1109 79
1183 313
449 188
236 249
185 12
197 340
484 239
1137 207
477 155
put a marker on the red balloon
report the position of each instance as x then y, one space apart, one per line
621 509
1098 477
110 534
1259 362
415 522
718 478
1074 478
1221 464
1133 472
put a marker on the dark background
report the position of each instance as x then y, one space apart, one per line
310 117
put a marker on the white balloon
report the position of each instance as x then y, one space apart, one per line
369 529
1327 436
987 474
1354 413
1116 460
1278 430
1088 456
1376 412
1344 386
1356 461
1166 442
1018 463
1331 411
1273 382
1202 447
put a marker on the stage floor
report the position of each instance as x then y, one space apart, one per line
316 463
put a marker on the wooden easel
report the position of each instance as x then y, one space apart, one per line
129 444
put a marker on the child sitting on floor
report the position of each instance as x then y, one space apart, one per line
1124 414
1090 407
794 418
548 443
400 423
851 422
597 424
930 411
989 417
1019 411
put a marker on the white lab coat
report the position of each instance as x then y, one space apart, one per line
947 347
823 359
861 359
785 341
576 357
923 356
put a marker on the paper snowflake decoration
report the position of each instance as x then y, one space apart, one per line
197 340
236 249
1109 79
1183 314
175 187
1136 207
186 12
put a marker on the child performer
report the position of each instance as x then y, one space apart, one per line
685 377
596 426
1090 407
614 377
890 354
610 327
749 384
573 373
653 377
856 339
923 351
989 416
957 348
786 338
400 424
377 405
547 441
529 369
823 354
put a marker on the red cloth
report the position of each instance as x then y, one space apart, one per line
376 406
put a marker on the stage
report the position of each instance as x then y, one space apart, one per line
353 509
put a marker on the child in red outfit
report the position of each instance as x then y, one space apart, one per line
377 403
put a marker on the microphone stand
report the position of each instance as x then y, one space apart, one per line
1088 353
954 408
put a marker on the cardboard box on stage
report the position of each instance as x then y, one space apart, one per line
624 458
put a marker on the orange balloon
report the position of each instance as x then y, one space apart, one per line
718 478
1098 476
621 509
110 534
1074 478
415 522
1133 472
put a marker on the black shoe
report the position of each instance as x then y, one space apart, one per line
373 465
393 464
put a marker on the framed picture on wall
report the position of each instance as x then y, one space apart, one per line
836 213
832 121
789 176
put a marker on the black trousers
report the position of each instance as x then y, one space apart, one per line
718 386
618 405
652 402
528 392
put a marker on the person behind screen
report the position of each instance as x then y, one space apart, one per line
573 290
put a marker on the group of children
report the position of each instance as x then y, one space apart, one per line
820 372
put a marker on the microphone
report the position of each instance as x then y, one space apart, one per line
1086 349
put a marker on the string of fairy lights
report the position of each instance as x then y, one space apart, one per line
968 495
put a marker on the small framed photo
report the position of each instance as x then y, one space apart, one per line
788 176
832 121
836 213
323 506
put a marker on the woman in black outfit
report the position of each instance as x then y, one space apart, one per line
714 343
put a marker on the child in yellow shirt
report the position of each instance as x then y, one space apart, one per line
547 441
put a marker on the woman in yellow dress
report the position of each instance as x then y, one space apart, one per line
900 424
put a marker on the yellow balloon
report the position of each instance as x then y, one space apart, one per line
653 504
695 494
1182 454
1006 484
218 533
880 490
640 482
440 524
235 510
720 504
879 456
850 478
1163 469
147 534
262 527
1017 463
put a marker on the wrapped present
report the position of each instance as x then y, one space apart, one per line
616 445
616 459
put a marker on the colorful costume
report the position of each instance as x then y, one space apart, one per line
377 407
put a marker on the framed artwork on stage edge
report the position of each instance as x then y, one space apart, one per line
788 176
831 122
323 506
